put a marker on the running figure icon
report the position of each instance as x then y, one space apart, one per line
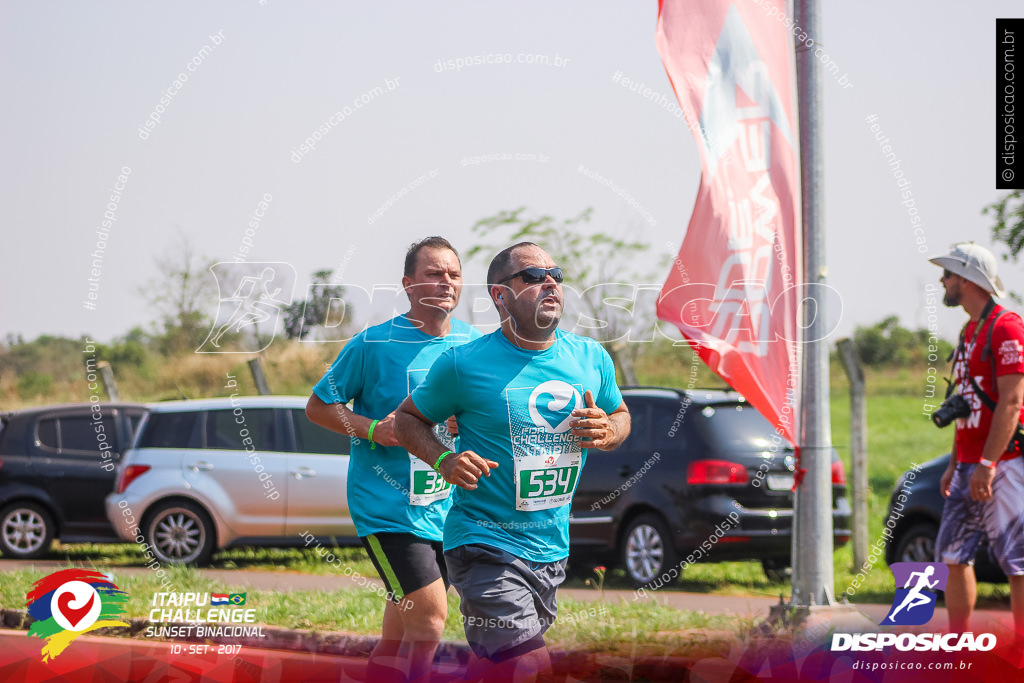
250 299
914 597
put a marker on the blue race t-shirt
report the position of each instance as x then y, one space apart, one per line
514 407
389 490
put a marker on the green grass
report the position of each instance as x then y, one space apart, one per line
302 560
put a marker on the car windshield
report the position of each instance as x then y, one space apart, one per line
732 426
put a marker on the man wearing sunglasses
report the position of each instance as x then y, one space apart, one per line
984 482
397 503
530 400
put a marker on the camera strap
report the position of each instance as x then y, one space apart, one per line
986 352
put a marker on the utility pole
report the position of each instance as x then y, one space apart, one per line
813 582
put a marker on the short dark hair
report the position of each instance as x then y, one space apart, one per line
501 264
433 242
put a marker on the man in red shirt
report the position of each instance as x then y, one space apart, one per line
984 483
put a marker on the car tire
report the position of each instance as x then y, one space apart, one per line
917 544
179 533
646 551
26 531
777 570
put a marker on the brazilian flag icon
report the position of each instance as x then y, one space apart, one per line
237 598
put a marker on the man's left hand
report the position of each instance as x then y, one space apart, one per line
593 426
981 483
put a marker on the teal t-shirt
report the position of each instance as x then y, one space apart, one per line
389 490
514 407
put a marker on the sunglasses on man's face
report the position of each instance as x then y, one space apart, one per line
946 273
534 276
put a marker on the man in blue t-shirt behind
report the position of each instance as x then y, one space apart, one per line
397 502
529 401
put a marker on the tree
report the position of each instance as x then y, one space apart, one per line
598 268
888 344
302 315
1009 227
182 292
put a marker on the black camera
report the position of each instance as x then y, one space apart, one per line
953 407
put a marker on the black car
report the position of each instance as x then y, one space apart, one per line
697 475
57 465
913 536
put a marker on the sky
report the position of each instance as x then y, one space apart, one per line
390 166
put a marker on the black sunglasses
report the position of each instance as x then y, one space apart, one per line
533 276
946 273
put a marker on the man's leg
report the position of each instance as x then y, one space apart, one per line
386 658
413 571
961 592
422 613
519 668
960 535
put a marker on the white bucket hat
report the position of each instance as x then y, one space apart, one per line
973 263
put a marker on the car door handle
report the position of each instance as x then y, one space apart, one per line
201 465
625 471
303 472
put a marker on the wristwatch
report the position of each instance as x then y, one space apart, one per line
987 463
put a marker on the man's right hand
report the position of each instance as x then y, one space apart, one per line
384 432
946 481
465 469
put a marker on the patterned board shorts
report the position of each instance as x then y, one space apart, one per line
966 522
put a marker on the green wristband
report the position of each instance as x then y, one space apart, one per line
438 462
370 434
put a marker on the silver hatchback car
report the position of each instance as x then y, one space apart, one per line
243 471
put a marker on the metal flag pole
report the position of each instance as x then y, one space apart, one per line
813 582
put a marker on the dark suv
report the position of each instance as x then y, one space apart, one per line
697 473
56 467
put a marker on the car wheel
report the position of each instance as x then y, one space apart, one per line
647 551
917 544
26 530
777 570
180 533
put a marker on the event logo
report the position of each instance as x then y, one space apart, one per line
562 394
71 602
914 603
258 291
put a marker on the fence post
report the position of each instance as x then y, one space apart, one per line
256 367
858 449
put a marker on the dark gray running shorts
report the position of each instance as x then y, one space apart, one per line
507 602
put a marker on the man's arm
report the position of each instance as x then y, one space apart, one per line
416 434
1004 422
598 429
338 418
947 477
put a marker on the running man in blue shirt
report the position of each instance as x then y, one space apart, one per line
397 502
529 400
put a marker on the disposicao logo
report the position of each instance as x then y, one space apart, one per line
71 602
914 603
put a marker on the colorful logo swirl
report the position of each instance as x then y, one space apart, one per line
71 602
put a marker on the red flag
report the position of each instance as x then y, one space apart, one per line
734 289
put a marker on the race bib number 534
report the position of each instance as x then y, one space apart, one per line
553 481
